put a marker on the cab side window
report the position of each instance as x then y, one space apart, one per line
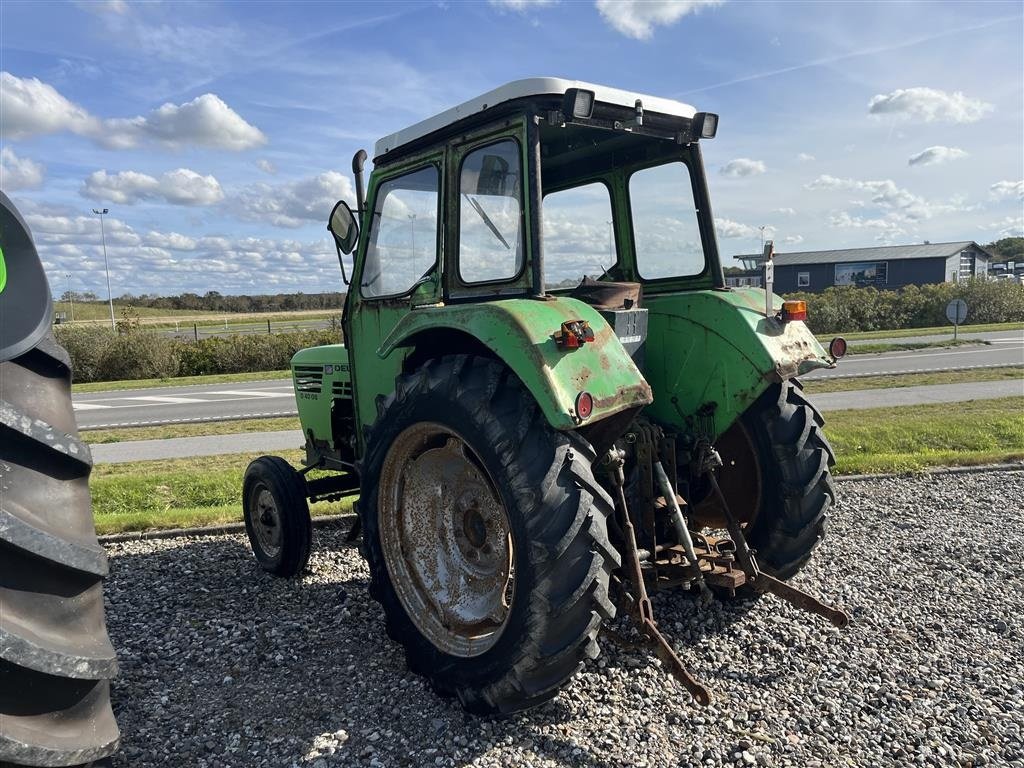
490 213
403 242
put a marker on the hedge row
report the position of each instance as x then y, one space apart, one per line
847 309
101 355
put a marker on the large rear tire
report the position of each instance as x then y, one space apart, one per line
56 660
777 479
462 469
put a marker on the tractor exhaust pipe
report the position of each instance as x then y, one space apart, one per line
358 159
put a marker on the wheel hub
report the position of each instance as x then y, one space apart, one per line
446 539
267 522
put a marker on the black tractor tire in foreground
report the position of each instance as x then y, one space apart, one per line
797 490
557 524
277 516
56 660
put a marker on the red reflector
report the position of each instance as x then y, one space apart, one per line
584 405
838 347
794 310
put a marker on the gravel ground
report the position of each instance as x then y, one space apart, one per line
222 665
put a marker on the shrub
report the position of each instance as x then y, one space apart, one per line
844 309
139 355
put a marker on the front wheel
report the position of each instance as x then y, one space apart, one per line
277 516
776 479
486 536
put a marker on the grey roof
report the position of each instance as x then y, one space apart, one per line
878 253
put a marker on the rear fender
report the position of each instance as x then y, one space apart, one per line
716 352
521 333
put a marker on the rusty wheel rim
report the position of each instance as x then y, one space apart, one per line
266 522
740 478
446 539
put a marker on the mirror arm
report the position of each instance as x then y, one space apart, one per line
341 262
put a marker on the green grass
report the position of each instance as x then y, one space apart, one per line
206 491
100 310
199 429
913 438
816 386
179 381
935 330
872 349
178 493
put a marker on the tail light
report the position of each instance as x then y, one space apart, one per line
584 405
837 348
574 334
794 310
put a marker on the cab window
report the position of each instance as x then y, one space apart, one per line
403 242
490 214
578 236
666 234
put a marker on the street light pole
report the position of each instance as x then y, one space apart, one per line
103 234
71 299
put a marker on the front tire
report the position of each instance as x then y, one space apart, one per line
462 460
277 516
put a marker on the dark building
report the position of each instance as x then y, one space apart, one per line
889 266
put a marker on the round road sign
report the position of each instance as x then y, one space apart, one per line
956 311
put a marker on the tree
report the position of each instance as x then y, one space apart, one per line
1007 249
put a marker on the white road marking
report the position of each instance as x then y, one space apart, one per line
165 399
251 393
88 406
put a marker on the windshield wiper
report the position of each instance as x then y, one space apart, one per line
487 220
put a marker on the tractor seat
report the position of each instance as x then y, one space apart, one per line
604 294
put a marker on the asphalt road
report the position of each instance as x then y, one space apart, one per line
993 355
174 405
261 399
269 442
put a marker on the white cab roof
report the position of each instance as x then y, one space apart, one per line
517 89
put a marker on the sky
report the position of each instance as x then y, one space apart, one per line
219 135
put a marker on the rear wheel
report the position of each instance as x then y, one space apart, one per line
56 660
486 536
277 516
776 479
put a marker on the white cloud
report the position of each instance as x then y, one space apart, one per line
888 224
638 18
30 107
728 228
520 6
930 105
793 239
170 241
1002 189
803 157
19 172
743 166
785 211
294 203
936 155
180 187
1011 226
884 193
266 166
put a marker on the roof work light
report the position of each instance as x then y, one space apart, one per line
705 125
579 102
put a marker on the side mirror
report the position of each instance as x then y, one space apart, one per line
343 226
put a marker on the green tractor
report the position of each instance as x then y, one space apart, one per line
548 399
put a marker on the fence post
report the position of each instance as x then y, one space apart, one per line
268 326
195 330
